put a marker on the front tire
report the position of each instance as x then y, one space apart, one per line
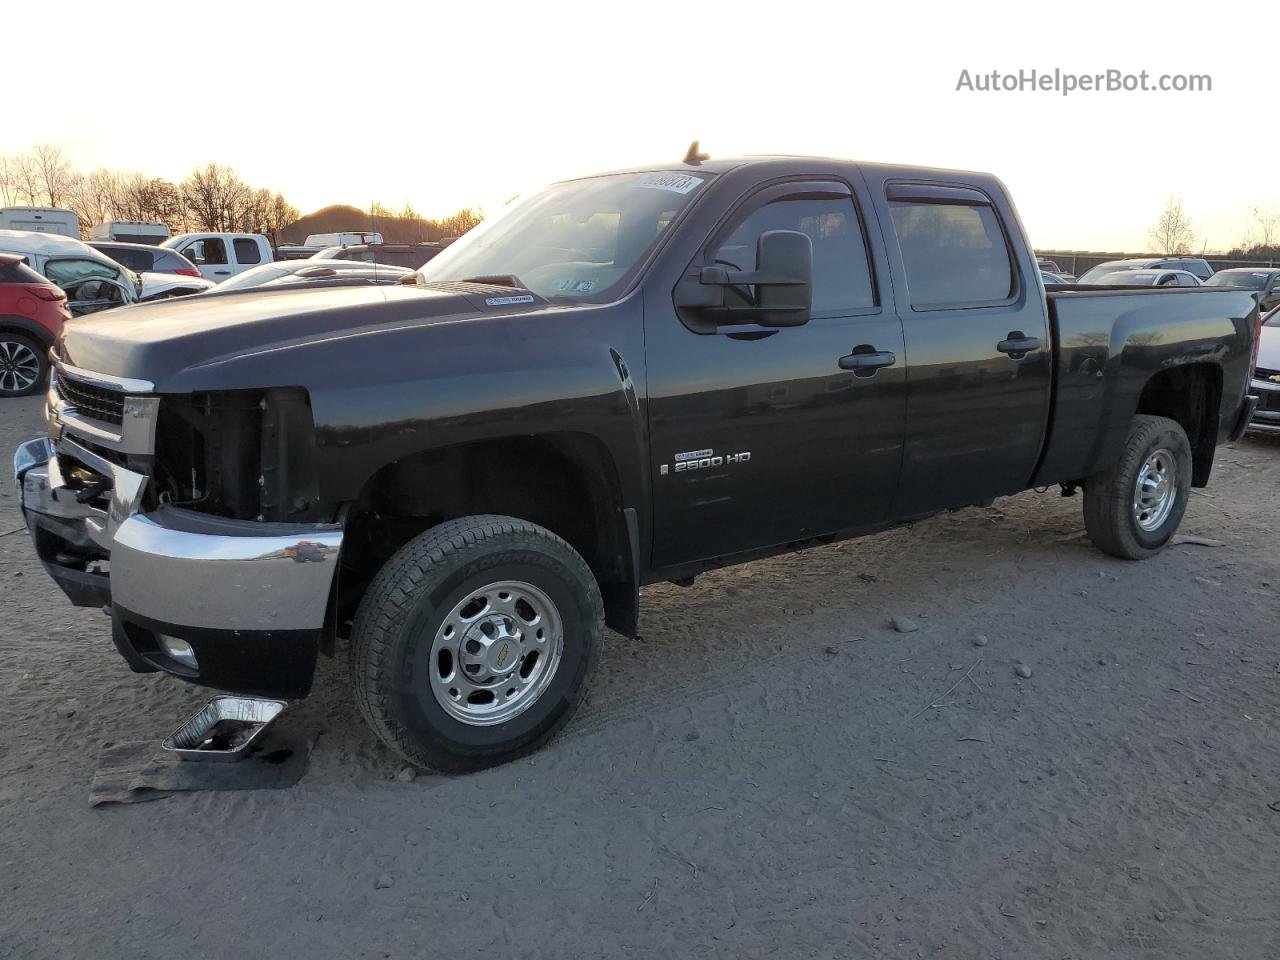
24 365
1133 509
474 644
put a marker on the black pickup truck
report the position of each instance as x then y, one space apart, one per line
621 379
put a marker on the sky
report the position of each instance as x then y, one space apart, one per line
452 104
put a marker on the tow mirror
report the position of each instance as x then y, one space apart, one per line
778 293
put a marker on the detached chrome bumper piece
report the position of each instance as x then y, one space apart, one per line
234 604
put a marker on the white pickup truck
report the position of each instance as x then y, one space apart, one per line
221 255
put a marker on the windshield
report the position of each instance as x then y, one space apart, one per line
573 242
1128 278
1243 278
1102 269
256 276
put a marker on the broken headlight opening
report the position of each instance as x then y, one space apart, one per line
240 454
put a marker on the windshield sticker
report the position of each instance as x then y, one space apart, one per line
506 301
675 182
575 286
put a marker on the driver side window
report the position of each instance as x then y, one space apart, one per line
206 252
841 269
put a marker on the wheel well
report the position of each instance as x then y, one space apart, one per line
1192 396
565 482
28 327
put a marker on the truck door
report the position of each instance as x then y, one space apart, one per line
763 435
977 342
209 254
248 253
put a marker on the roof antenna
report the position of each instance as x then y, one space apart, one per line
693 158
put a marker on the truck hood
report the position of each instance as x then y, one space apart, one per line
184 343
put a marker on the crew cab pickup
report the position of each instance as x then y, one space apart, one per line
623 379
221 255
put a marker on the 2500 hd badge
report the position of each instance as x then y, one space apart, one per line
701 460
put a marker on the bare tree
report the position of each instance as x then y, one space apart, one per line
215 198
53 174
459 223
1268 226
95 197
25 177
1172 234
9 192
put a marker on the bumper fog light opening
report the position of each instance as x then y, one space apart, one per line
178 650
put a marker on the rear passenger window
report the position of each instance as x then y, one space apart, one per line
955 254
841 271
247 251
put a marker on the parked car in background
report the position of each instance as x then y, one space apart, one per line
149 232
1054 278
32 311
1263 280
1193 265
91 280
1149 278
221 255
141 257
350 272
344 239
1266 375
411 255
1049 266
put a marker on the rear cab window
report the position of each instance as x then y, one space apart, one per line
955 250
247 250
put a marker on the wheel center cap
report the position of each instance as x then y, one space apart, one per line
502 655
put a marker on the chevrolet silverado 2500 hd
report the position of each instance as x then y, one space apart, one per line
622 379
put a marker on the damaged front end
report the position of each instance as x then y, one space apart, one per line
196 518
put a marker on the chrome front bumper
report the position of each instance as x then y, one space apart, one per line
221 584
1266 414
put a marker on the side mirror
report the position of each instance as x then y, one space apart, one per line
408 279
778 293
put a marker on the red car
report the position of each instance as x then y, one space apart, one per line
32 311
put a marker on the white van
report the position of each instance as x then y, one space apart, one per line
131 231
41 220
221 255
322 240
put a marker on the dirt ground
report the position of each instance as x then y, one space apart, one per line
772 771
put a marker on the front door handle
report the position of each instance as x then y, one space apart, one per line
866 360
221 273
1018 345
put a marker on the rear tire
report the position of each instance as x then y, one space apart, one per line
474 643
1133 509
24 365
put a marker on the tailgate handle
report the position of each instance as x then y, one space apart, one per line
1018 345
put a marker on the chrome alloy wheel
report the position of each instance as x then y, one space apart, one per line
1156 490
19 366
496 652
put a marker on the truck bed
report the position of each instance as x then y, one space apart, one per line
1109 342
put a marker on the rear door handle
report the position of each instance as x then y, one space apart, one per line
866 360
1018 345
221 273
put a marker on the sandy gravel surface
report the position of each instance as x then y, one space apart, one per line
773 771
